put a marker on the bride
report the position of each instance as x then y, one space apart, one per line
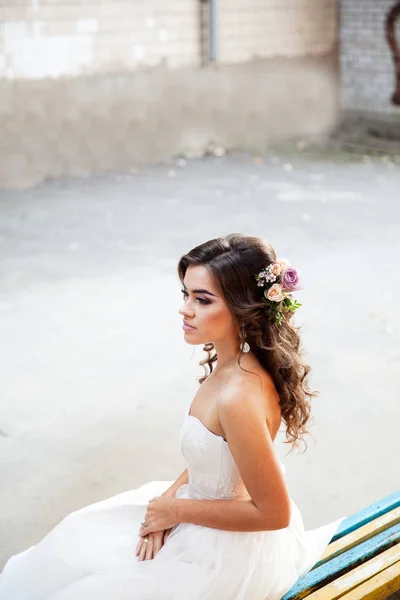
227 528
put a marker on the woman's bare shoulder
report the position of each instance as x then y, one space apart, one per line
258 387
251 374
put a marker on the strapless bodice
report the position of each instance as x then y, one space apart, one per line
212 470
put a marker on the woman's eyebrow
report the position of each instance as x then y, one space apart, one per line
200 291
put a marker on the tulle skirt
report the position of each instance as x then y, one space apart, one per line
90 555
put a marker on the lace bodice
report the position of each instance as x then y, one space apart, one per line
212 470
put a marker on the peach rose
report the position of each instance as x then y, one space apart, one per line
283 263
276 269
274 293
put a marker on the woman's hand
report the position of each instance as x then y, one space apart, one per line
160 515
147 551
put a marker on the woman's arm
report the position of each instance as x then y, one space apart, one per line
183 478
242 416
231 515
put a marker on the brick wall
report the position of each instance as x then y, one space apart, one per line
42 38
92 85
268 28
70 37
365 59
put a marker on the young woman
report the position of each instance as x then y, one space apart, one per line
227 528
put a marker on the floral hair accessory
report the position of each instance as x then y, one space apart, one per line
278 280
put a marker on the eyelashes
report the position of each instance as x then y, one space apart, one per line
201 300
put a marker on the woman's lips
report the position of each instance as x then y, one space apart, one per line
187 327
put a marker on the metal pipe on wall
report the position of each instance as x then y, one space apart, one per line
212 30
391 20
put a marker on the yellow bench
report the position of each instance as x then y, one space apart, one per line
362 559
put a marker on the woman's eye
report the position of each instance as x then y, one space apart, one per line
201 300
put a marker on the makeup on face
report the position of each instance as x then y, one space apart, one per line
196 295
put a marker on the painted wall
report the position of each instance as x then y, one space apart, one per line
88 86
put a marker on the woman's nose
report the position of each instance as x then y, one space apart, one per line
184 310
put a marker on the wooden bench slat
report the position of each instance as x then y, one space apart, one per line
365 515
327 572
380 586
360 535
342 586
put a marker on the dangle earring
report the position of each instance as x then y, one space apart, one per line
244 346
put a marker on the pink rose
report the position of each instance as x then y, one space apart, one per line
274 293
290 280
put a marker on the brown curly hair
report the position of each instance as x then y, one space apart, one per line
233 260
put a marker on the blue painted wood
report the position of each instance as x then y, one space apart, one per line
333 569
365 515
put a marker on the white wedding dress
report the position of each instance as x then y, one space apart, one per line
90 554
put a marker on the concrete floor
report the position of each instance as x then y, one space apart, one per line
94 371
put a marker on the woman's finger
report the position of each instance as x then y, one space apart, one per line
158 542
139 545
142 551
149 548
145 531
